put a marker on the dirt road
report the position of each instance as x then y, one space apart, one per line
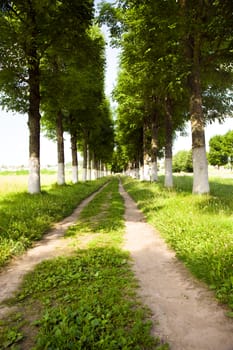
184 312
188 315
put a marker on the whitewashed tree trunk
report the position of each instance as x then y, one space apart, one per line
105 171
94 167
141 173
132 173
168 182
147 172
200 171
88 164
84 170
88 174
200 165
60 174
100 169
95 174
75 174
84 174
34 175
137 173
34 120
154 146
60 150
74 157
154 171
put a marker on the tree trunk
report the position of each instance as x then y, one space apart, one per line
88 163
84 174
34 125
154 147
95 167
145 167
192 52
60 150
168 181
200 164
73 140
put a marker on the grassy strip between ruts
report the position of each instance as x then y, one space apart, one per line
198 228
85 301
25 218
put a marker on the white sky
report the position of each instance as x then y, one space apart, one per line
14 135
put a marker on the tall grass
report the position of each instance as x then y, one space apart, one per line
24 218
198 228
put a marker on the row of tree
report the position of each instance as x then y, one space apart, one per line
52 66
175 65
221 150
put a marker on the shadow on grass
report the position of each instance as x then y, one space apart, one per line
220 199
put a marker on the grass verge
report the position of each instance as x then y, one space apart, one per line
198 228
87 300
25 218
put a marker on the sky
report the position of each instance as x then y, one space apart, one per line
14 135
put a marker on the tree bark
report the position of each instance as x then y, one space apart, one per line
73 140
145 168
192 52
95 167
168 181
34 124
84 173
200 164
60 150
154 147
88 163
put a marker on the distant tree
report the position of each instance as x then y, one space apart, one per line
228 146
182 161
221 149
217 155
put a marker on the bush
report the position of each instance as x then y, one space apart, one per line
182 161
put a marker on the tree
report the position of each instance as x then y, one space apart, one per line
28 29
182 161
151 65
221 149
72 92
207 41
228 146
173 47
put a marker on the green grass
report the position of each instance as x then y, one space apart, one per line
198 228
19 172
86 300
24 218
104 217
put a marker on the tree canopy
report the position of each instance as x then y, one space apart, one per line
176 65
52 62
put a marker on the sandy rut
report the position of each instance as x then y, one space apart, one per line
184 312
